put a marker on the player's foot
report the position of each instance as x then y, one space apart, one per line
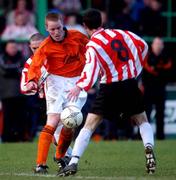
150 160
41 169
62 162
68 170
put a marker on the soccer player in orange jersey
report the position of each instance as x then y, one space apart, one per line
64 50
34 43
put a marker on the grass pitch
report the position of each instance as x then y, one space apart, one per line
105 160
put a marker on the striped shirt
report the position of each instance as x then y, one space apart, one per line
115 55
24 78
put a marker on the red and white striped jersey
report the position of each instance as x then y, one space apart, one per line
115 54
24 78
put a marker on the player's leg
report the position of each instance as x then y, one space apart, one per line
147 136
93 119
67 134
62 162
64 141
145 128
45 139
56 138
136 111
54 97
84 136
81 143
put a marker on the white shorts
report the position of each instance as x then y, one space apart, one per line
56 95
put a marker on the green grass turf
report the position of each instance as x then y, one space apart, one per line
105 160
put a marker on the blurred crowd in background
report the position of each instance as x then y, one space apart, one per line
21 117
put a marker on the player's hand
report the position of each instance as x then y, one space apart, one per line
31 87
74 93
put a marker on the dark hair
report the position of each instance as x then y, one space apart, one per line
10 41
92 18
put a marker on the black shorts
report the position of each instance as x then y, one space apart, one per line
118 98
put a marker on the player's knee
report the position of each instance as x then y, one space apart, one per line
139 118
53 120
92 121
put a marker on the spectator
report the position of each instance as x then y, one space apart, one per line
123 19
135 8
11 62
74 21
67 6
21 7
150 18
154 82
20 29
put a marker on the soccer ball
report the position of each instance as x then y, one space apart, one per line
71 117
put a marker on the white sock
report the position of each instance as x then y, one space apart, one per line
80 145
146 134
68 152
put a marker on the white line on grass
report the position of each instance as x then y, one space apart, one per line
75 177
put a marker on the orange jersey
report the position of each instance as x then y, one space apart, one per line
65 58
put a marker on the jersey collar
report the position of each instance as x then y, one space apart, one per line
96 32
